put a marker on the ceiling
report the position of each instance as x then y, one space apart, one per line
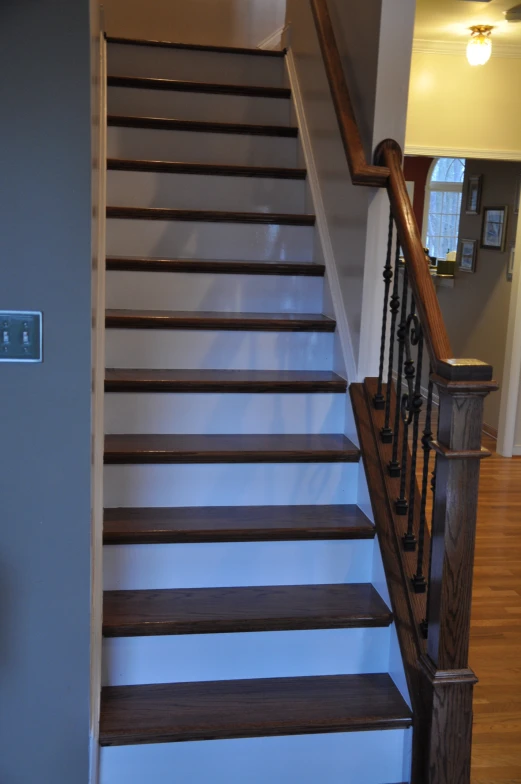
449 20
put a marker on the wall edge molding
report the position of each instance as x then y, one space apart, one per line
321 221
463 152
274 40
457 48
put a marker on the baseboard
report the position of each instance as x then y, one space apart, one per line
274 40
321 220
490 431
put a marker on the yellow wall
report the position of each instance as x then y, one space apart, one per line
457 109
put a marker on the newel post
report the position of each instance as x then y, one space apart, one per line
448 681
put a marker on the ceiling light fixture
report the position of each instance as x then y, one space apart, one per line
479 48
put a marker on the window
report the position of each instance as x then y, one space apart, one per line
443 203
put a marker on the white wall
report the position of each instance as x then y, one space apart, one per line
459 110
218 22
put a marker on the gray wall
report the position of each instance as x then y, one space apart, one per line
476 309
357 29
45 252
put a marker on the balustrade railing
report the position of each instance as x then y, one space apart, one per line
427 416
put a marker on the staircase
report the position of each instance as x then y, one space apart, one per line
247 629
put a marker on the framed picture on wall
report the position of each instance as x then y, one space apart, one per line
511 258
494 228
467 255
473 203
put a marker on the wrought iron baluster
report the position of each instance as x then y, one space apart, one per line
424 626
412 408
394 463
386 434
406 410
378 399
418 581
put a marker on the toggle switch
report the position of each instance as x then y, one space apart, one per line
20 336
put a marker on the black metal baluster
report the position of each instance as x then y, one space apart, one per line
394 463
378 399
424 625
404 404
418 581
386 434
414 405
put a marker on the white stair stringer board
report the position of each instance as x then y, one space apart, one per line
194 66
201 147
322 221
224 413
198 106
198 239
238 484
374 757
230 293
129 661
218 350
229 564
205 192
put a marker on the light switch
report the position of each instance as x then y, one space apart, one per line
20 336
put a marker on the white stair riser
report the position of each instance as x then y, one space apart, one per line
194 66
216 292
128 661
252 484
218 350
229 564
339 758
205 192
222 413
198 106
194 239
201 147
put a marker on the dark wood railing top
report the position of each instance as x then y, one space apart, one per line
388 173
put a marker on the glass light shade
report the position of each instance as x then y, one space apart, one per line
479 49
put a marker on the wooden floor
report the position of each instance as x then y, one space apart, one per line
495 646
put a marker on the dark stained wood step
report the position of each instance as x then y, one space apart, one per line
162 713
175 525
206 169
208 88
197 448
136 264
197 47
209 216
201 126
248 609
305 381
207 320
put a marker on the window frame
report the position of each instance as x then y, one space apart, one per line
443 186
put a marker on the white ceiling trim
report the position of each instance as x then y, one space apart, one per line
425 46
462 152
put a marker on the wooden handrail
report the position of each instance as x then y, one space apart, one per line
388 173
361 172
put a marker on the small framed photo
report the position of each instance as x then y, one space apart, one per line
468 251
494 228
510 265
473 203
518 196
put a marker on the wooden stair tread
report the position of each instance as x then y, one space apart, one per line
161 713
174 525
151 264
202 448
125 380
197 47
180 85
208 169
209 216
201 126
248 609
210 320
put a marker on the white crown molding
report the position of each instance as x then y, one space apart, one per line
463 152
458 48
